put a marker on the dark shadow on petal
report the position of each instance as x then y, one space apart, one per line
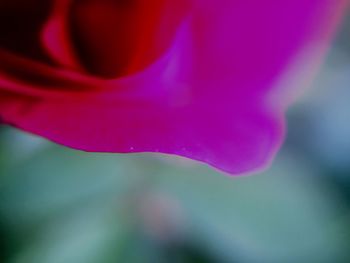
21 23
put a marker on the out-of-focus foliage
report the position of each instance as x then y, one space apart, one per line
63 206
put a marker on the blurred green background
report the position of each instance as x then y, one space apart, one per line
63 206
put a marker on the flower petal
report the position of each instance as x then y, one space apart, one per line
207 99
56 36
20 22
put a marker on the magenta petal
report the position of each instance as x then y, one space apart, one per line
208 98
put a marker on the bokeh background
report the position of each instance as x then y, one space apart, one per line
63 206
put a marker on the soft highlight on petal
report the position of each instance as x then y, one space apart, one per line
55 35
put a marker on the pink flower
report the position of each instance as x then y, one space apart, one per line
205 79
